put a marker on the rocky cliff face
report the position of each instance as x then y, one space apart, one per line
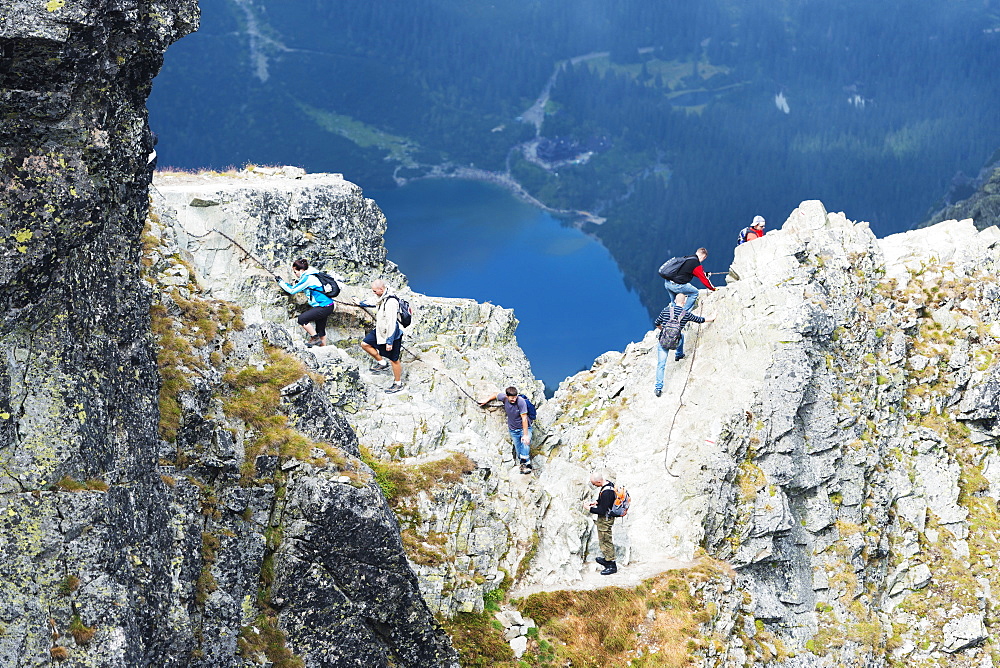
78 380
830 436
833 437
460 535
233 526
183 483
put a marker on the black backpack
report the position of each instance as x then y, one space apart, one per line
670 331
329 283
404 316
743 236
669 268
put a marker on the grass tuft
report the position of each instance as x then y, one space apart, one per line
264 637
81 633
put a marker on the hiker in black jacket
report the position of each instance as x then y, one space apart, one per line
605 521
679 281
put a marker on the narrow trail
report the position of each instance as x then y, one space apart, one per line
631 575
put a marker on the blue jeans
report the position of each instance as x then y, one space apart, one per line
523 451
689 291
661 359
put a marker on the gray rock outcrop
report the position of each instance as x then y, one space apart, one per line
831 437
78 381
171 516
462 536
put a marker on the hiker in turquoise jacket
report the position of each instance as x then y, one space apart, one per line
322 305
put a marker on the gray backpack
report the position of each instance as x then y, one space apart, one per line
670 331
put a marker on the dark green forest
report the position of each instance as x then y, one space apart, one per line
664 117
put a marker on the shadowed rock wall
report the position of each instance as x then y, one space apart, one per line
78 382
119 547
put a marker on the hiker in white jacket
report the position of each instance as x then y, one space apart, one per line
385 342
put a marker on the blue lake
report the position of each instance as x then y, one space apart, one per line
457 238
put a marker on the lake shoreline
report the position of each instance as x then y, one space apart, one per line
455 237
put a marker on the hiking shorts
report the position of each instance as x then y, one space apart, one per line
392 355
317 314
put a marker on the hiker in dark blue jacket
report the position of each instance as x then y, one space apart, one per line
322 305
673 316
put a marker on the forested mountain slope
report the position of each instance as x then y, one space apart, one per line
676 123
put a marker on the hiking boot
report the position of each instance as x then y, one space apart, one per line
395 387
610 569
658 391
379 367
678 358
602 561
314 341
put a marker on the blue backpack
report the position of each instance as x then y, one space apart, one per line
531 408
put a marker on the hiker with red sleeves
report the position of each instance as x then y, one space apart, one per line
677 279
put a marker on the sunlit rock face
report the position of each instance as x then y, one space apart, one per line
462 535
832 435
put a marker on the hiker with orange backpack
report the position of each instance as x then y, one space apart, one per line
612 501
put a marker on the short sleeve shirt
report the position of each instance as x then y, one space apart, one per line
514 411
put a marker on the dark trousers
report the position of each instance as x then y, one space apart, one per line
317 314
